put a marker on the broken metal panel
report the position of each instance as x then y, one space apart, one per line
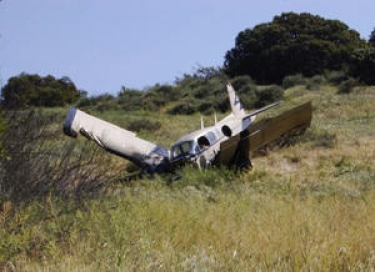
268 130
264 132
227 150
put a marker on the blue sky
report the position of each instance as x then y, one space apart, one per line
103 45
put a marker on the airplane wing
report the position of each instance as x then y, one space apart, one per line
264 132
116 140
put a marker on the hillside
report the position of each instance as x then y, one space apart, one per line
309 206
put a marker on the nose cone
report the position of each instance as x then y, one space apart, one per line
67 128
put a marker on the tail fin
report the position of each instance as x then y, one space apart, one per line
235 104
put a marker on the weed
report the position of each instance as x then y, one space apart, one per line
347 86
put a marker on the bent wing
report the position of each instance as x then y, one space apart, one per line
114 139
266 131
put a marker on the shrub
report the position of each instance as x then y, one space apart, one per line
325 139
314 82
32 90
106 106
318 79
269 95
38 162
183 108
206 108
347 86
293 80
335 77
242 81
201 92
222 104
102 102
248 95
167 91
311 86
130 100
85 102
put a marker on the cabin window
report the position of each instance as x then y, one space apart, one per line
181 149
203 142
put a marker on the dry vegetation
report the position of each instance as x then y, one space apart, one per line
306 207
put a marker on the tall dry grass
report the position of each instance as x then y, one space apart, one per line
306 207
196 229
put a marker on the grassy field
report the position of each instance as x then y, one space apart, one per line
307 207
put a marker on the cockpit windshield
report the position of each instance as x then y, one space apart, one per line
182 149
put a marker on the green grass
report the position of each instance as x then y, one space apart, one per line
306 207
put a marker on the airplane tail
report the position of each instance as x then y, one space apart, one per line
235 103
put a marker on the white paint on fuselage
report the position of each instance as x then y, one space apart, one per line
204 156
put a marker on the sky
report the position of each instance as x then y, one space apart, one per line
104 45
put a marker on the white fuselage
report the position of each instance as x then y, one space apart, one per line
202 146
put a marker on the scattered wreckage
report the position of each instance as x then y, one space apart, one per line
227 142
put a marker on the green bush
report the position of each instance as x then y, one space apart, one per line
167 91
85 102
269 95
206 108
33 90
242 81
335 77
318 79
183 108
325 139
201 92
222 104
311 86
248 95
314 83
347 86
293 80
40 162
130 100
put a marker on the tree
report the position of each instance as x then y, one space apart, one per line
372 37
292 43
364 65
33 90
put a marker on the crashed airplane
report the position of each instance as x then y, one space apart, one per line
228 142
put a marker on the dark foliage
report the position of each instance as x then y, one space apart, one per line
291 44
364 65
33 90
372 37
293 80
347 86
269 95
335 77
183 108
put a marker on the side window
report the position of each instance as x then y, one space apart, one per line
176 151
185 147
181 149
